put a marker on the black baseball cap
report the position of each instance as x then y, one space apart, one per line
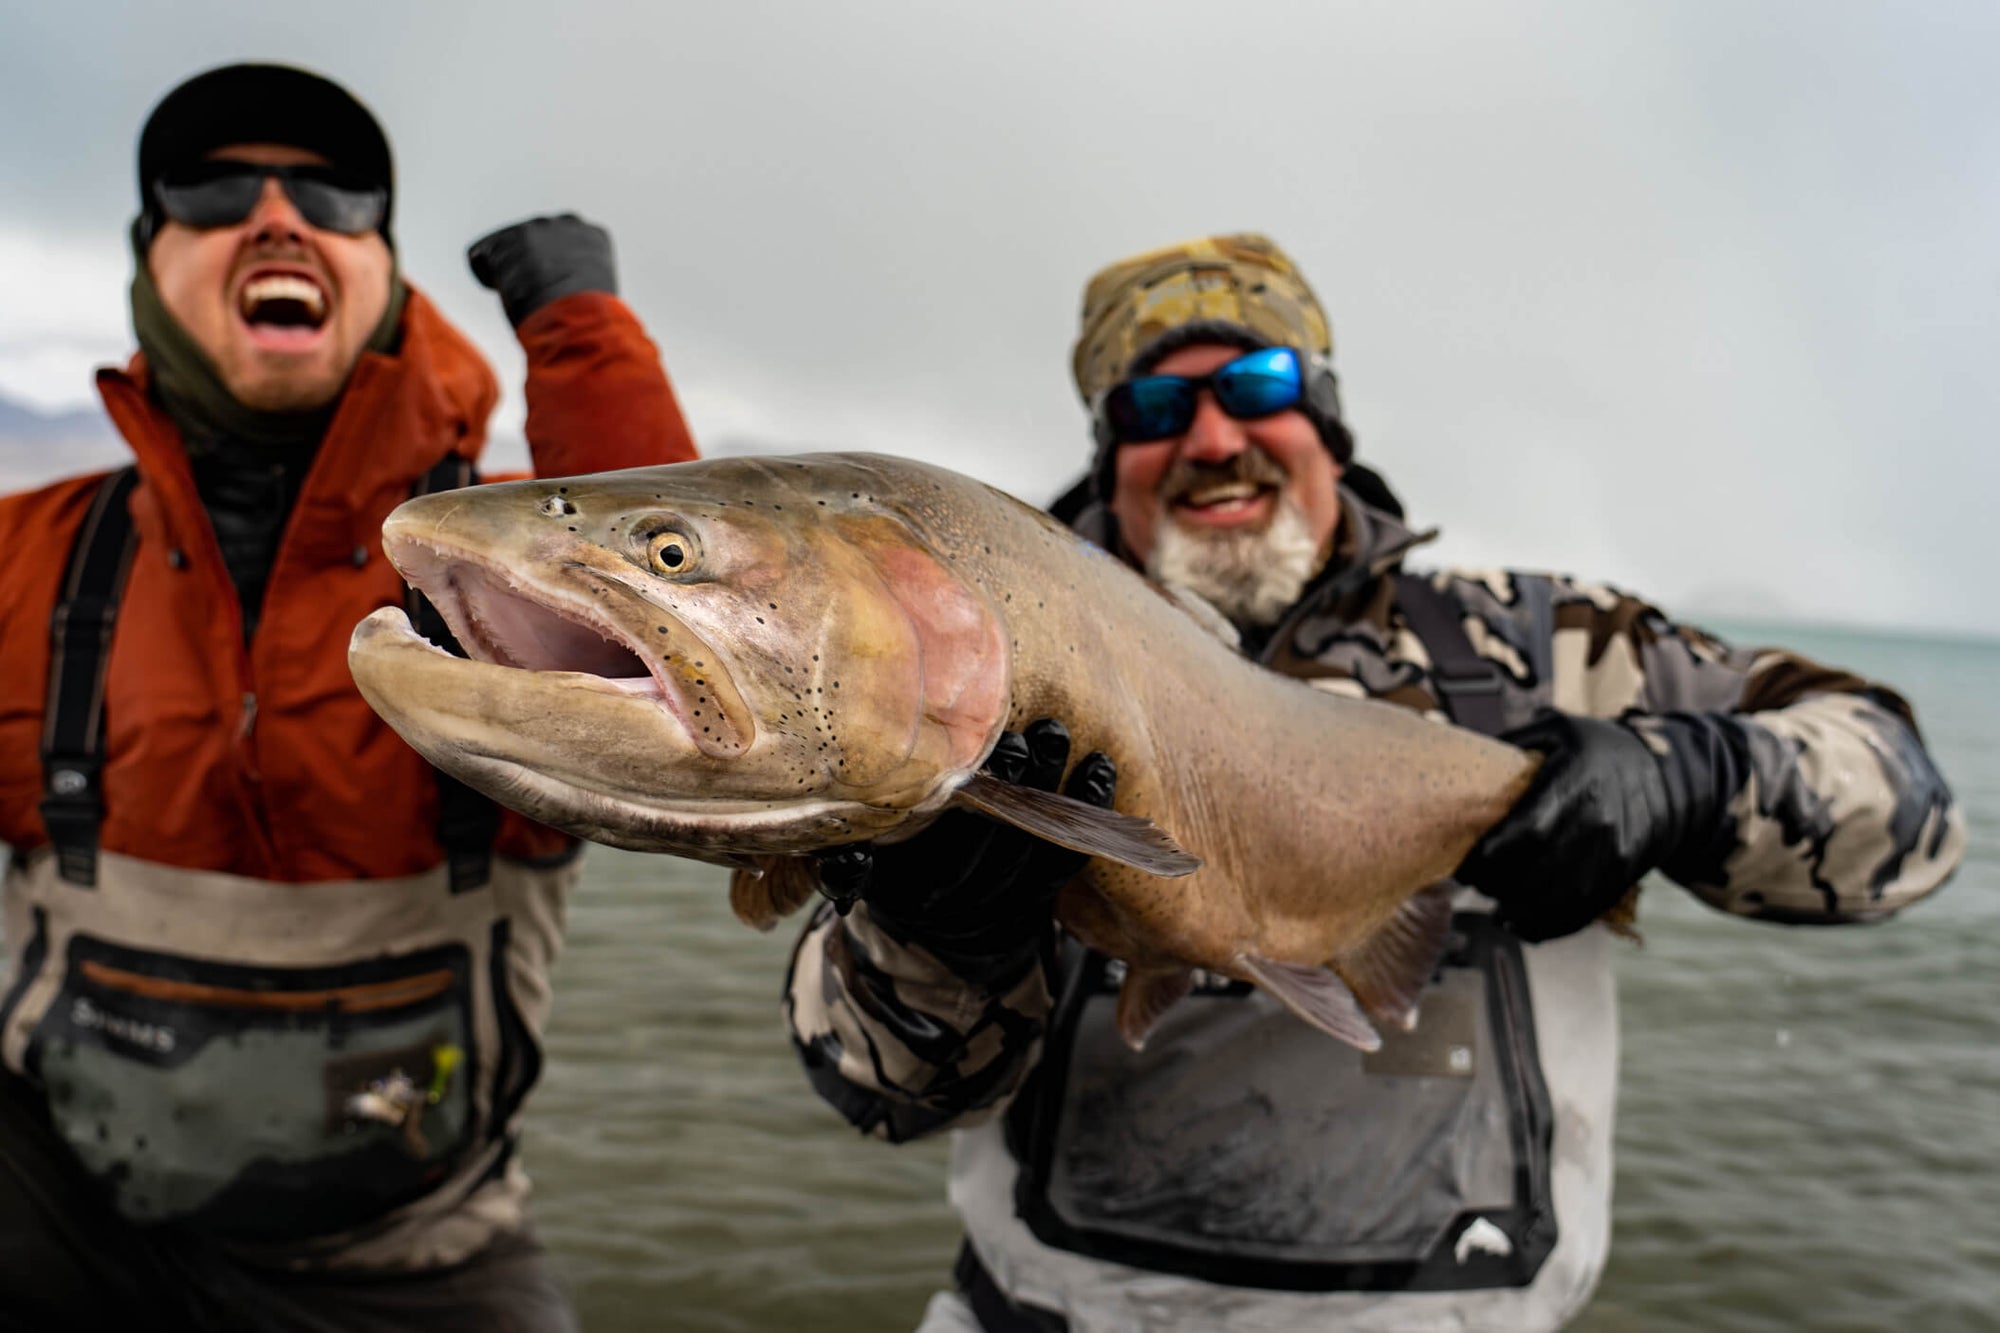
263 104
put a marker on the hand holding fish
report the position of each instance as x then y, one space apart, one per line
978 894
1612 801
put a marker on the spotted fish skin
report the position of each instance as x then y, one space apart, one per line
855 632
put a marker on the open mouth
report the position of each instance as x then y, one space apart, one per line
283 309
499 623
612 639
1225 502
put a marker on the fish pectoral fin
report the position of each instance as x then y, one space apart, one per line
1316 994
1389 971
771 889
1079 826
1144 996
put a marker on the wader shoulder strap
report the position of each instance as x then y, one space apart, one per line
1467 685
79 650
467 821
79 653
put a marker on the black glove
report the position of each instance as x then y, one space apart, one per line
1604 809
976 893
532 263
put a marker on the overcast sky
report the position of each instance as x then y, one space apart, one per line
1699 298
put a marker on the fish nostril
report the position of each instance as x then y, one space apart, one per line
557 507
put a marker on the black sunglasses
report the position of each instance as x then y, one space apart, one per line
221 193
1155 407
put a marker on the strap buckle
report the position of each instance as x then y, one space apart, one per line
1467 685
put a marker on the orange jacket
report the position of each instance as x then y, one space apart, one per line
267 762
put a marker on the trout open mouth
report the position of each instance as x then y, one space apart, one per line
509 630
503 620
498 621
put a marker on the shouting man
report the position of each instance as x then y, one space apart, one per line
276 988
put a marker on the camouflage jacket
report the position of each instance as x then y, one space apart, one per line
1840 815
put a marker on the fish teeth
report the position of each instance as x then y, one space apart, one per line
284 287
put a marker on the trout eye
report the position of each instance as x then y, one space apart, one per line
671 552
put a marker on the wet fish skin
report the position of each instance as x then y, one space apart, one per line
864 629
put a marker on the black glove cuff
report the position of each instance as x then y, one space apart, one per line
1706 762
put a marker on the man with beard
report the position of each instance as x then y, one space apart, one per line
276 988
1244 1171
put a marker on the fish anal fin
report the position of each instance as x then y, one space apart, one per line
1144 996
1316 994
1390 970
772 889
1078 825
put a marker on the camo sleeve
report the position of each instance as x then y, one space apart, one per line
1839 812
894 1040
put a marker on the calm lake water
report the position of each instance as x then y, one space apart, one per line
1809 1130
1808 1137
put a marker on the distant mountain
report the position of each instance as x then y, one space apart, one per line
38 447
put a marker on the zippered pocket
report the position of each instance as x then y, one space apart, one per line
1247 1149
259 1102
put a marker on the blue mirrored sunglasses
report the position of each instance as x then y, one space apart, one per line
1154 407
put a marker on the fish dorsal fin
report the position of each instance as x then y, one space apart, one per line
1145 995
1315 994
1390 970
766 893
1079 826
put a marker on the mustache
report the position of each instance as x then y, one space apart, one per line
258 250
1253 465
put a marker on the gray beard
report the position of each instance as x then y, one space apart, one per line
1251 577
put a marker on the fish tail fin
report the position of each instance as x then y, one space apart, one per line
1389 971
1145 995
1316 994
767 892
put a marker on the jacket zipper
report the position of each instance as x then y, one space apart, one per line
249 772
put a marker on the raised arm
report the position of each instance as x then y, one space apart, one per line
598 396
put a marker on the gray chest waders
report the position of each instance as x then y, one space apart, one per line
1245 1149
264 1062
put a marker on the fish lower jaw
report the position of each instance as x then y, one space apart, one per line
720 831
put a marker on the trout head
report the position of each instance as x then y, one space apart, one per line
720 659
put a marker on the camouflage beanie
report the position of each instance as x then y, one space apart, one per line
1238 289
1242 281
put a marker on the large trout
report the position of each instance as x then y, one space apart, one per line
741 660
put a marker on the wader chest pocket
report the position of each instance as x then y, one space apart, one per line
261 1103
1246 1148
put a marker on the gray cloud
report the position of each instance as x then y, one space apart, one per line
1696 298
